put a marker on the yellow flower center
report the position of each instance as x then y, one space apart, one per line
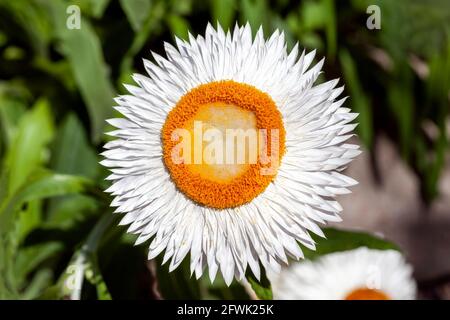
367 294
222 143
221 117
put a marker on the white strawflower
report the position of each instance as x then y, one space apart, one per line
360 274
229 213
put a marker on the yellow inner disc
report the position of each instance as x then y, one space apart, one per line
221 117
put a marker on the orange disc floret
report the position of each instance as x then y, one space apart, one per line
367 294
253 179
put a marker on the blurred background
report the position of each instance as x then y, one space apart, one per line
57 82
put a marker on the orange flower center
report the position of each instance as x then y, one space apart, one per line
223 143
367 294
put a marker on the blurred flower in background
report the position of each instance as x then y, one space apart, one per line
57 84
359 274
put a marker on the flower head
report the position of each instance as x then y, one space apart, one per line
360 274
229 152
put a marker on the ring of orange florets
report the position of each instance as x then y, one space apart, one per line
249 184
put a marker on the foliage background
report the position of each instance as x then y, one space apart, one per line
56 90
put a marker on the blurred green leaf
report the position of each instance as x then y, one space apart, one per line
72 153
178 25
28 218
330 27
34 132
262 288
42 185
60 70
222 11
50 185
13 53
151 25
180 7
438 82
414 26
137 11
68 211
432 162
11 110
32 18
83 50
342 240
313 15
219 289
29 258
256 13
3 39
401 103
39 281
94 8
359 100
178 284
312 41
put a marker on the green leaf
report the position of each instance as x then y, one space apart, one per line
330 27
359 100
313 15
34 131
136 11
262 288
94 8
43 185
11 110
29 258
177 284
83 50
51 185
401 102
28 218
219 290
31 17
414 26
68 211
98 7
72 153
223 12
340 240
151 26
438 82
52 292
38 283
3 39
178 25
255 12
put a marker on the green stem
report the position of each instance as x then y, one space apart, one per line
88 249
